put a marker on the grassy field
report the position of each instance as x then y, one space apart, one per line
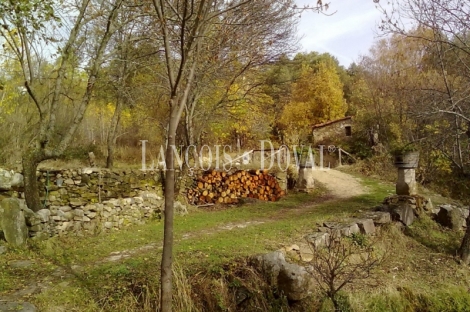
211 251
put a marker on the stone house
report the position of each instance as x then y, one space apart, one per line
333 129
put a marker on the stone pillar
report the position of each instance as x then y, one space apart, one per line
406 184
13 222
305 181
282 180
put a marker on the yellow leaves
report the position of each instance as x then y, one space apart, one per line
317 96
441 161
437 127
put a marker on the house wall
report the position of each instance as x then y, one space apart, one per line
333 131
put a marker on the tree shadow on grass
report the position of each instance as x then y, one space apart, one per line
432 235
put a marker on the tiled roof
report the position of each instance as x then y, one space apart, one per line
330 122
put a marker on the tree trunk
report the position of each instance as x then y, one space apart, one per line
31 158
167 256
189 127
464 251
112 135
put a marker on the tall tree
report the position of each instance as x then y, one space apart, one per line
317 96
444 26
29 29
187 28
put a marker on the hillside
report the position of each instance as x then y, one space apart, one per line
119 271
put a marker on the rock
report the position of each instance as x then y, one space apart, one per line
339 229
108 225
330 225
366 226
305 181
21 264
36 228
379 217
305 252
138 200
294 247
88 170
452 217
17 307
28 291
78 213
180 208
91 215
67 215
6 177
269 264
65 208
348 230
294 281
13 222
403 212
76 202
89 226
65 226
3 250
241 295
44 215
428 206
318 239
17 180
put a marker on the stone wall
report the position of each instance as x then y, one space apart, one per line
332 131
79 187
88 200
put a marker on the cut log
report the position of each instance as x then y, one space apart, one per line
221 187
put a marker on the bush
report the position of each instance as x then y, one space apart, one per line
81 152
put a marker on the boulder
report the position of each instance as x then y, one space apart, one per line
366 226
17 180
269 264
379 217
180 208
350 229
13 222
294 281
403 212
6 177
318 239
338 230
452 217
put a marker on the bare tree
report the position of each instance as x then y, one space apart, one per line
187 29
342 261
444 95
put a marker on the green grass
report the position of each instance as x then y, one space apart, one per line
211 263
440 299
432 235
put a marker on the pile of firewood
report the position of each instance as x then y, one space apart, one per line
224 188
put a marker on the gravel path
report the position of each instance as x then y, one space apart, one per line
340 184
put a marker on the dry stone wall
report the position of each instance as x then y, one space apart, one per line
88 186
89 200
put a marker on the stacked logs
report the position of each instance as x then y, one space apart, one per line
224 188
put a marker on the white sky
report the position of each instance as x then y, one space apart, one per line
347 34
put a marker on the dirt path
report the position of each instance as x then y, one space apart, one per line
340 184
